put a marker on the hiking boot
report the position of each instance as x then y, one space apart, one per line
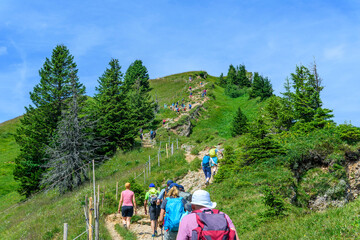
155 233
125 226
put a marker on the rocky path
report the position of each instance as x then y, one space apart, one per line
110 222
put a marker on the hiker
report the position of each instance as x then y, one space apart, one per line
205 220
165 190
151 134
190 88
187 196
190 106
184 109
154 134
141 136
204 92
128 205
164 121
190 78
174 207
206 166
213 155
190 94
151 198
178 110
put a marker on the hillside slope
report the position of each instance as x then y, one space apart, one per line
240 194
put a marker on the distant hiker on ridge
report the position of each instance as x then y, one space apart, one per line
128 205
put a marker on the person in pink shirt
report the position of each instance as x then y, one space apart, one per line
128 205
201 204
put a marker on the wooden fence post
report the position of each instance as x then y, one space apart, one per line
149 165
97 214
65 231
90 218
117 187
167 155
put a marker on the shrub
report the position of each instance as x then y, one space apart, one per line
349 133
234 91
274 203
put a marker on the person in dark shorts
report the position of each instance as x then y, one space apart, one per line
128 205
151 200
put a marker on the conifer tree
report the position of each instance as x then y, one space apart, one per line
40 120
240 123
260 145
286 113
231 76
242 79
137 83
72 147
261 87
222 80
137 73
113 111
306 98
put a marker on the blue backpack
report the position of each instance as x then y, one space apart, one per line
174 211
206 161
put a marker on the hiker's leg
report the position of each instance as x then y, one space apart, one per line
152 226
128 221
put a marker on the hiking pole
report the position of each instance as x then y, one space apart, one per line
162 235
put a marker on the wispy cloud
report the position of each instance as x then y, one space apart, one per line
3 50
334 53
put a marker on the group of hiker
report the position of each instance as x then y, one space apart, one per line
181 215
152 134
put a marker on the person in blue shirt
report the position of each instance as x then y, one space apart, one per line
206 166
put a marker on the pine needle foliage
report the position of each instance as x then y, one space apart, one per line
40 120
240 123
113 111
72 147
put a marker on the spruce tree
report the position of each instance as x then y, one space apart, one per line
138 86
72 147
241 76
40 120
306 98
261 87
113 111
231 76
137 73
240 123
222 80
286 113
260 144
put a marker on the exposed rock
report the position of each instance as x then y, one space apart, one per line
321 203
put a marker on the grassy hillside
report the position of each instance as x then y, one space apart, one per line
8 152
240 195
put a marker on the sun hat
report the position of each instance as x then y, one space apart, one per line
152 185
169 182
202 198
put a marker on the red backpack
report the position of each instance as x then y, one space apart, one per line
213 226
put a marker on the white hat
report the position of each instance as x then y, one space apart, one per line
202 198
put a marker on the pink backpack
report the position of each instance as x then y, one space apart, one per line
213 226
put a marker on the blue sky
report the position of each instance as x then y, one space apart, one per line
269 37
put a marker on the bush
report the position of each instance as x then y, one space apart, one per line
349 133
234 91
274 203
194 151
